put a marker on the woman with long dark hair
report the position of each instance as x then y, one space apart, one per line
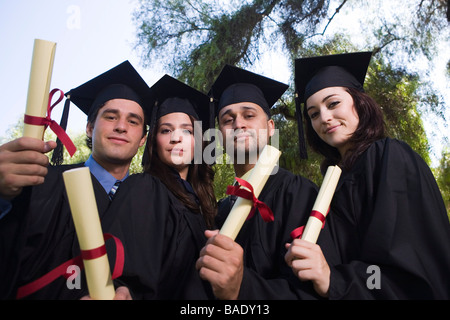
161 214
387 218
171 146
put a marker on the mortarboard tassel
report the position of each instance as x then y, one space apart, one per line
212 121
301 134
57 157
152 124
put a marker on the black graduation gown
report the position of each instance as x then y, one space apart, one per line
388 212
161 238
162 241
39 235
266 274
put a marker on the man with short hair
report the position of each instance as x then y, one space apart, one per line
253 266
36 228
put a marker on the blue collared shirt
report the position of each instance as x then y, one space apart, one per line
104 177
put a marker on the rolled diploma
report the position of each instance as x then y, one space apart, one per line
257 178
322 203
82 203
39 85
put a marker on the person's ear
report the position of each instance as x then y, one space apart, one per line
271 127
143 140
89 129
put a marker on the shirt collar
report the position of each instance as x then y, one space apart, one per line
104 177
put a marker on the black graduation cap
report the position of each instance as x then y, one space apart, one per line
120 82
171 95
339 70
235 85
316 73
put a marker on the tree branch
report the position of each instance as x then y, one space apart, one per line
283 109
329 21
390 38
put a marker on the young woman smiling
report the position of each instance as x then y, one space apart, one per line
387 217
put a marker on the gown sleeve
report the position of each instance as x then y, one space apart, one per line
389 221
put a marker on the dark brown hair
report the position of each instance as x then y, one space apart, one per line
371 128
200 177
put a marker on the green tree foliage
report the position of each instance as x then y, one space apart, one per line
443 174
210 34
223 176
396 93
195 40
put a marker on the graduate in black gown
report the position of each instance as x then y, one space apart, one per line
387 217
36 229
182 117
162 245
252 266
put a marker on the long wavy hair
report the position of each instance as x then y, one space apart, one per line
200 176
371 128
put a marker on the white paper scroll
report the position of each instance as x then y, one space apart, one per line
90 236
257 178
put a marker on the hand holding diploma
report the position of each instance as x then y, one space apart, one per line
221 260
309 264
93 257
87 225
23 163
304 256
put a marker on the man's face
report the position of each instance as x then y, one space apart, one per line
117 132
246 129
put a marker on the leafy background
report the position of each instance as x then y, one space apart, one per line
193 40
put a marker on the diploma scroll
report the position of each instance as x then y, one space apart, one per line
39 85
82 203
322 203
257 178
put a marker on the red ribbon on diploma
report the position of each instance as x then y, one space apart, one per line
55 127
297 233
264 210
61 270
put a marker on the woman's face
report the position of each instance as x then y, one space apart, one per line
333 116
175 140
